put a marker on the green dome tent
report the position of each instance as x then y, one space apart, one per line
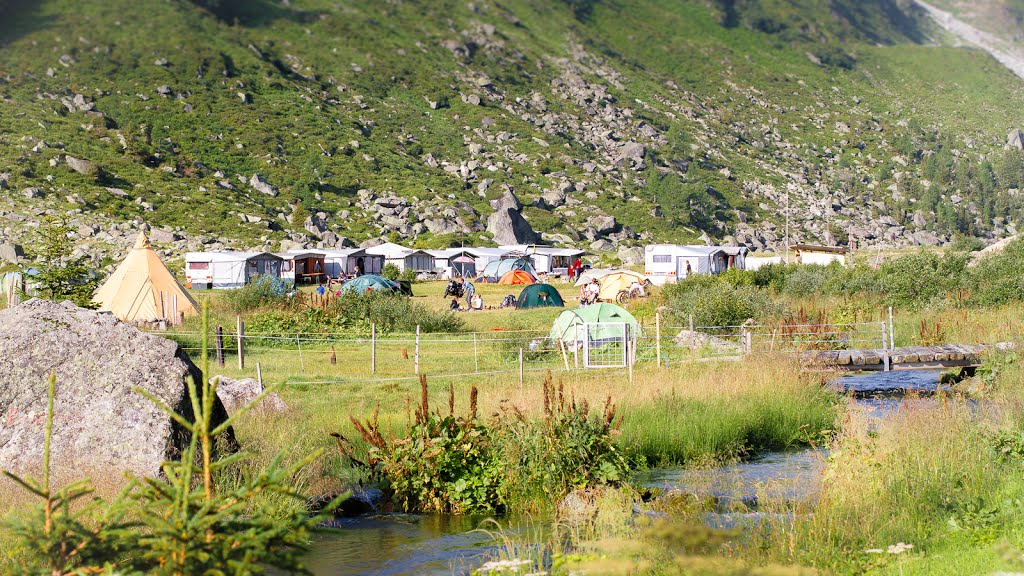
539 295
609 318
369 282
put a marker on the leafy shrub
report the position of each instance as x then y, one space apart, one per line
921 278
999 278
459 465
571 448
353 313
445 465
262 292
714 302
390 271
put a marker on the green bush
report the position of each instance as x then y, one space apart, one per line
999 278
713 301
458 465
352 314
262 292
390 271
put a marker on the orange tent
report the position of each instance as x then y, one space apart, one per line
517 277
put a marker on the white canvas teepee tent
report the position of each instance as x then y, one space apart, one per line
142 289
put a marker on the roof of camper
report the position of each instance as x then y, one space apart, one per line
226 256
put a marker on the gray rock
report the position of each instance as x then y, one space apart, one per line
507 201
602 225
101 423
31 192
441 226
287 245
509 227
925 238
260 185
1015 139
11 252
601 246
235 394
81 166
4 180
631 256
160 235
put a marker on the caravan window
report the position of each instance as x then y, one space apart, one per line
662 258
198 265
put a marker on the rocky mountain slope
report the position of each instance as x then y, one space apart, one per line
608 124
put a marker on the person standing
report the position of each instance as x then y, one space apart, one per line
468 290
578 266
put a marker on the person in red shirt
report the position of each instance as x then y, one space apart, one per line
578 267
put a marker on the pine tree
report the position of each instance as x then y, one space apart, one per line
61 276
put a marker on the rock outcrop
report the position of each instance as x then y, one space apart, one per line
507 223
101 423
235 394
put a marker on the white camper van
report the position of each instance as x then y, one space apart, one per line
668 263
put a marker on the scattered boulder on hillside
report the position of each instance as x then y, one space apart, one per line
260 185
81 166
11 252
4 180
1015 139
101 423
507 224
235 394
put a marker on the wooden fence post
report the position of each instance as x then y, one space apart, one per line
241 343
219 344
476 357
416 365
302 363
259 375
373 348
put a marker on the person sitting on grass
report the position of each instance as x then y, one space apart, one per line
476 303
455 304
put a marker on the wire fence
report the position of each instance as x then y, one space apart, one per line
327 359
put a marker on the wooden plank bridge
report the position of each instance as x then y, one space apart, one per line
968 356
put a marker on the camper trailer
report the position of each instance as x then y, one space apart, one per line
224 269
668 263
821 255
404 258
547 259
343 262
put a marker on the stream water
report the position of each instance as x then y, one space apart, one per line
403 544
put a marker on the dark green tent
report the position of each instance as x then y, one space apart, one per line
539 295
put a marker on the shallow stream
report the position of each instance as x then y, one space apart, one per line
404 544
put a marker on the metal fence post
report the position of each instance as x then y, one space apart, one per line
657 338
416 365
373 348
298 344
692 335
627 344
520 372
476 357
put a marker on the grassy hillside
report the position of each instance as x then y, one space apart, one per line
676 118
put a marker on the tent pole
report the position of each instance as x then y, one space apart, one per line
565 358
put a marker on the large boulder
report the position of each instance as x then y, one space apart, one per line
509 227
235 394
101 423
11 253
